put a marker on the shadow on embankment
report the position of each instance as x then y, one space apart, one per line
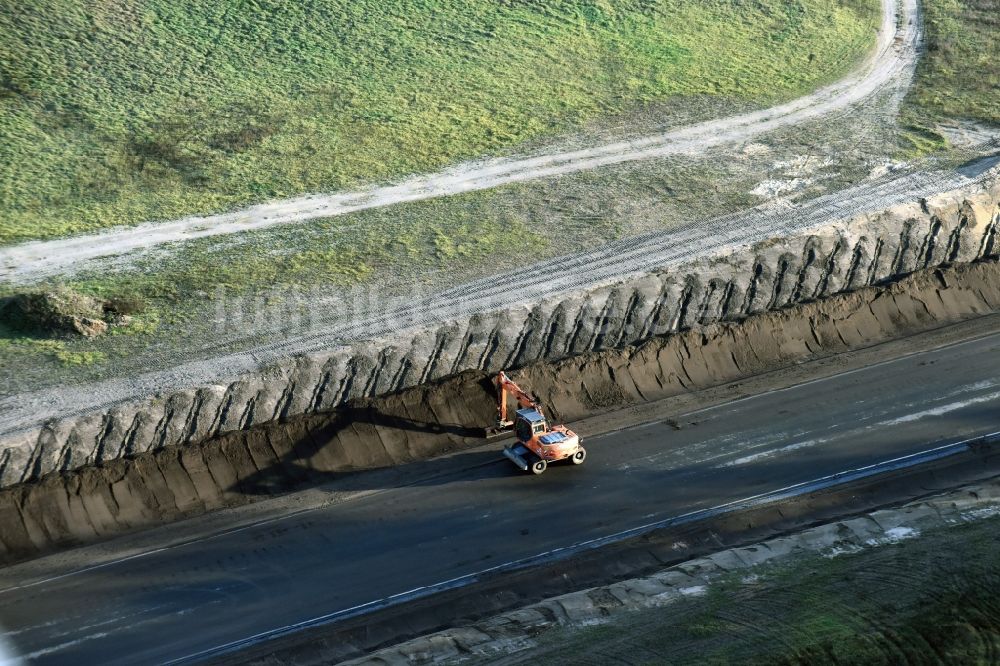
398 436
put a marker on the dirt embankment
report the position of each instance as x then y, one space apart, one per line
98 501
620 295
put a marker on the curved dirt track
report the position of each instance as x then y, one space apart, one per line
896 50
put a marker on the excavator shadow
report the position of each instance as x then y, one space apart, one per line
394 441
383 449
458 467
376 417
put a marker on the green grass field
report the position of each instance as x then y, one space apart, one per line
958 77
117 112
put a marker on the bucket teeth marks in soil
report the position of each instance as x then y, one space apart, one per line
989 246
951 254
857 258
680 320
873 266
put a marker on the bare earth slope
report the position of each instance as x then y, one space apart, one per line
893 57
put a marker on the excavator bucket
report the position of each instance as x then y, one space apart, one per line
498 430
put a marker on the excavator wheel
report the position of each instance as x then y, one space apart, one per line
578 457
538 467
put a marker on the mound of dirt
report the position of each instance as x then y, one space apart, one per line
61 311
74 494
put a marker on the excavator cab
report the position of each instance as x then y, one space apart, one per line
530 423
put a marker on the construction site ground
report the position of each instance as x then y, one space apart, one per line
262 509
404 432
273 526
931 598
910 584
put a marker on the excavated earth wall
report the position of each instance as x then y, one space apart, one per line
955 227
99 500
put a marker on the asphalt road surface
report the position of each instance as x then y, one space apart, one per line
177 602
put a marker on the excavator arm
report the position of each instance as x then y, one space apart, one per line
504 387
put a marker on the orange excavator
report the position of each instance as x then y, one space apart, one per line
537 445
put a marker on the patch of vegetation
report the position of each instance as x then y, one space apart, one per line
61 311
958 78
79 357
119 112
933 599
919 140
60 351
331 253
